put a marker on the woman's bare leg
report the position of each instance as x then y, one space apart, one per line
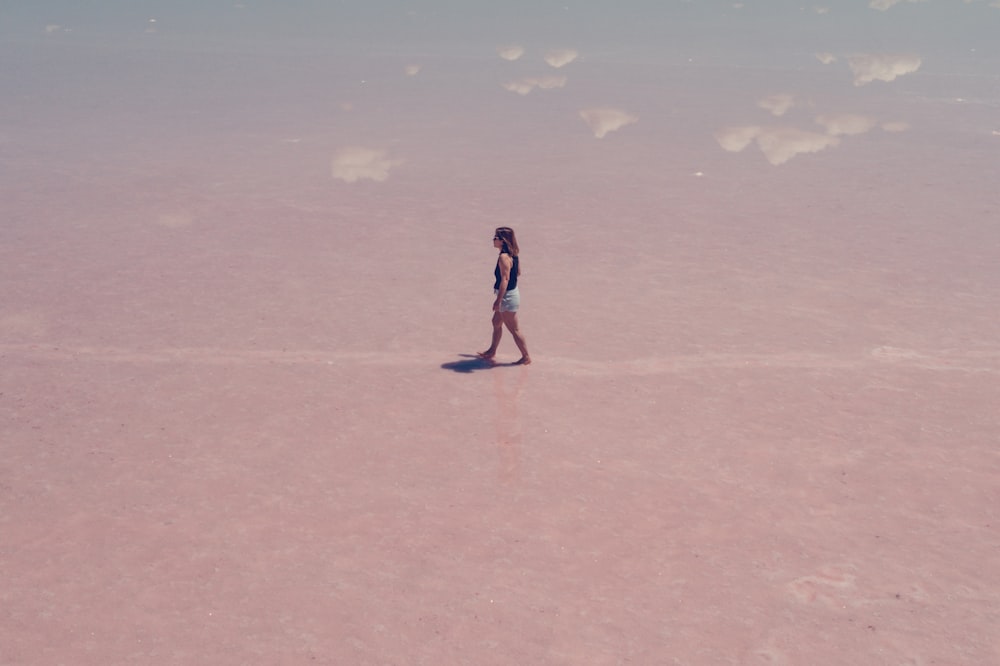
510 319
497 333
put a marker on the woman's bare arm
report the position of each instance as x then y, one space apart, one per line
505 265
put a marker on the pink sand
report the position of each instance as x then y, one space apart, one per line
239 422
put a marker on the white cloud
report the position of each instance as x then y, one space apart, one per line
412 70
511 52
882 66
560 57
826 58
777 104
846 124
735 139
822 10
779 144
527 84
783 143
356 163
604 120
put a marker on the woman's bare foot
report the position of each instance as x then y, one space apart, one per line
486 355
524 360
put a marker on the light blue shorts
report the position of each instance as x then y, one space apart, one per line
511 300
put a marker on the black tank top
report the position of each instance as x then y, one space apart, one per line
512 280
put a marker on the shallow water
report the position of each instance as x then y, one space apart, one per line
247 256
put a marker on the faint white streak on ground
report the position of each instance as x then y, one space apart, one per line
27 323
175 220
560 57
604 120
882 66
942 360
355 163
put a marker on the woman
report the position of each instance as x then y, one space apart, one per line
508 299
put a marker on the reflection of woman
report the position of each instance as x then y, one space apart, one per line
510 433
508 299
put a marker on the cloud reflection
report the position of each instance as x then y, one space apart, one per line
885 5
736 139
356 163
846 124
604 120
511 52
895 126
560 57
882 66
778 144
527 84
783 143
777 104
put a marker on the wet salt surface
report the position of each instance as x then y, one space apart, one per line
240 419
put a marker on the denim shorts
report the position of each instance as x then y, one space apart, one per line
511 300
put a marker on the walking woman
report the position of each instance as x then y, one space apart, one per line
508 299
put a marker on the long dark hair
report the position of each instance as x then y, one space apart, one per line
509 240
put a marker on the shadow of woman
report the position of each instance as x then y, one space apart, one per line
471 363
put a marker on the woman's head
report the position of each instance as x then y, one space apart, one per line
508 242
